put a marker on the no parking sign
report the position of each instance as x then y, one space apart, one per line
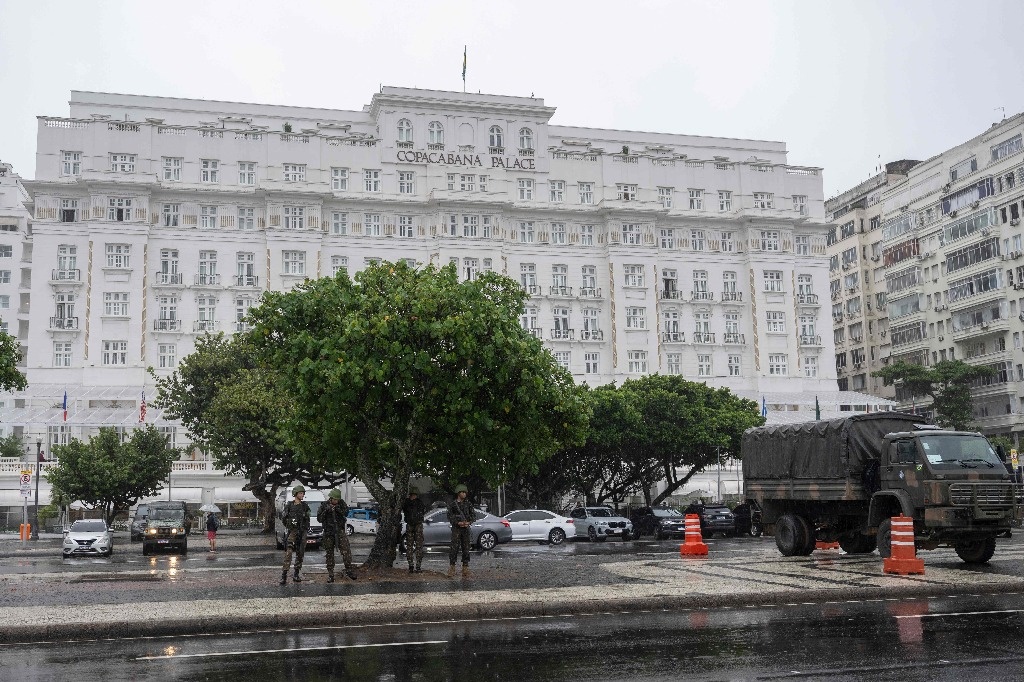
26 483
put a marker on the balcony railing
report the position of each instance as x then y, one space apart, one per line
702 295
207 280
592 335
242 326
536 331
807 299
533 289
732 337
563 334
168 278
732 296
164 325
560 291
247 281
496 151
669 294
525 152
71 275
63 323
810 340
204 326
673 337
590 292
703 337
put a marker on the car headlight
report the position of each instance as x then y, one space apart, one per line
69 542
151 531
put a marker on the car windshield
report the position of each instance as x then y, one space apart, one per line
666 512
313 508
959 452
142 510
167 515
86 526
600 511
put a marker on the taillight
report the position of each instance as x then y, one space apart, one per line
505 523
568 520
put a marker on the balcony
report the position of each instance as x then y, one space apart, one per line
167 325
200 326
807 299
525 152
533 289
732 296
733 337
435 146
536 332
810 340
592 335
670 294
243 327
496 151
64 323
247 281
702 295
207 280
673 337
559 291
590 292
72 275
167 279
703 337
563 334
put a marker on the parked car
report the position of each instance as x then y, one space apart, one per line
598 523
485 532
540 524
167 527
314 498
661 522
714 518
746 521
361 520
138 524
88 537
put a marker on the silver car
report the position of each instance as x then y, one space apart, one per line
597 523
88 537
485 532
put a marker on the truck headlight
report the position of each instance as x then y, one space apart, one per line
151 531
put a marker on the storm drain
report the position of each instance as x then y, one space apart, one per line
118 578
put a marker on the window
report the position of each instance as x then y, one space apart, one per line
586 190
727 243
525 138
171 215
587 235
61 354
119 209
338 263
245 264
405 182
626 192
665 197
529 320
167 356
470 225
495 137
208 217
118 255
773 281
636 318
209 170
528 275
482 185
453 181
589 275
69 210
526 232
115 303
697 199
778 365
776 320
435 133
122 163
724 200
802 245
557 233
697 240
800 204
764 200
207 309
339 179
525 189
637 361
670 324
1007 147
115 353
293 262
467 183
5 276
634 275
591 361
246 218
5 302
71 163
294 217
810 366
65 309
371 224
703 365
674 364
729 282
207 268
668 238
339 222
700 284
371 180
246 173
172 168
562 358
965 167
702 324
557 190
294 172
769 240
470 268
6 251
406 226
405 130
631 233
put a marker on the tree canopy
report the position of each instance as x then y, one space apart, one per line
406 370
107 474
11 378
232 408
947 383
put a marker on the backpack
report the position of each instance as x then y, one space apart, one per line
212 524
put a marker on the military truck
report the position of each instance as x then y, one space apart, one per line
843 479
167 527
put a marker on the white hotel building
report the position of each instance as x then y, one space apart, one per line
152 220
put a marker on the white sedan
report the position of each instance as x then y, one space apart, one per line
539 524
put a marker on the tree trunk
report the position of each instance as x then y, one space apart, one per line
266 498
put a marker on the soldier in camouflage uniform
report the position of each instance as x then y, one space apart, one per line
296 519
332 516
413 510
460 516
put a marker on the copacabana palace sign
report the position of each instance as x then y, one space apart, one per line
467 160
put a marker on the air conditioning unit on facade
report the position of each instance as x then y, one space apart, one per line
1021 317
945 188
847 266
942 338
1017 254
952 214
1019 285
1015 221
984 325
985 231
975 204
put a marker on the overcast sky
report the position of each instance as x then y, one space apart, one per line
846 85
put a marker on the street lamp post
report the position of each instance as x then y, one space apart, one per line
35 507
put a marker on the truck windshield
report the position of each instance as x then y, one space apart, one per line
959 452
166 515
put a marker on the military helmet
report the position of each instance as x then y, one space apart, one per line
460 488
413 490
298 489
334 494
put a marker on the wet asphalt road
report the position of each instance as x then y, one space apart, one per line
950 638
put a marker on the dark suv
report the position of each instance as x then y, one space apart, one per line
661 522
714 518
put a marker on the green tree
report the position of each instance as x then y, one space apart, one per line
11 378
110 475
231 407
947 383
11 446
405 370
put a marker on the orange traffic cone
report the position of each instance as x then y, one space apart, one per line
826 545
693 545
903 560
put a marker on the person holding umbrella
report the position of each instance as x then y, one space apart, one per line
212 524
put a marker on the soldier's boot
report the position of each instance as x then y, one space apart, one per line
451 571
284 577
418 569
412 569
350 573
465 570
330 575
296 578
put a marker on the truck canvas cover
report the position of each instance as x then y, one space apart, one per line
827 449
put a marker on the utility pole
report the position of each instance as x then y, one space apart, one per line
718 456
35 508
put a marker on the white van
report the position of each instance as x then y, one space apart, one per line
314 498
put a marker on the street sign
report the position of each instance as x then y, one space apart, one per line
26 479
1013 457
26 490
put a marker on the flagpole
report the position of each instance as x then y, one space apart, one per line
464 47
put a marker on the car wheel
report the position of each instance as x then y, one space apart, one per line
755 529
885 538
487 540
145 549
976 551
626 537
592 534
658 534
556 536
349 530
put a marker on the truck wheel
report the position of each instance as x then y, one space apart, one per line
809 544
791 535
976 551
884 538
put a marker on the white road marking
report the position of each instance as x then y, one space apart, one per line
286 651
961 613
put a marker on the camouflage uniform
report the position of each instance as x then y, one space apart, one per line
332 517
413 510
296 519
459 511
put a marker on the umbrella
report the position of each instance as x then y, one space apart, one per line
212 508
